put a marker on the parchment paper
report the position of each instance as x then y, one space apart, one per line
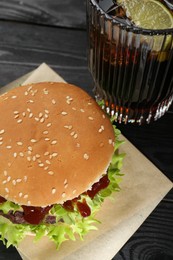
142 188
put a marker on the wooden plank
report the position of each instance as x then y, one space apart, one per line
23 47
58 13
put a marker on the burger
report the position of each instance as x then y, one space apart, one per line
58 162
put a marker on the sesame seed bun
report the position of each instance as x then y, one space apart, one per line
55 142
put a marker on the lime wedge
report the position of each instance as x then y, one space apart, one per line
148 14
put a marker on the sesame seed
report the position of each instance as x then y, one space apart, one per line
7 190
1 138
23 114
28 158
18 180
89 103
2 131
34 158
101 129
86 156
33 140
29 148
65 181
16 116
37 155
42 120
1 143
74 108
25 196
78 145
19 143
14 97
45 91
74 191
19 121
46 168
101 144
82 110
28 109
63 113
21 154
68 126
37 119
15 155
53 190
47 139
29 152
25 178
30 101
30 115
63 195
110 141
40 115
41 164
33 93
103 116
46 116
50 172
29 203
20 194
26 93
53 101
75 136
45 132
46 153
54 154
68 102
72 133
54 142
48 162
8 146
4 182
29 88
9 178
90 118
49 124
16 112
66 185
14 182
46 111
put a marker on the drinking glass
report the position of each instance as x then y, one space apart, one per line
132 68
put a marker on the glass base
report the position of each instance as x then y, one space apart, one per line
135 116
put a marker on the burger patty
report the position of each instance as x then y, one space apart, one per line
19 218
35 215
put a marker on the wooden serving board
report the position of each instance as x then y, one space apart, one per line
142 188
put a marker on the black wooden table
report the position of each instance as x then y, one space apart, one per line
54 32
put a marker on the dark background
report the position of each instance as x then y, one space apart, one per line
54 32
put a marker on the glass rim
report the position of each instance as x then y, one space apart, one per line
134 29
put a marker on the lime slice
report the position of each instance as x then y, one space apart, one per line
151 14
148 14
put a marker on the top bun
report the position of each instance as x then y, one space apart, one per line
55 142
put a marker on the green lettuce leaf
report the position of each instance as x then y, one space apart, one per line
8 205
70 224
